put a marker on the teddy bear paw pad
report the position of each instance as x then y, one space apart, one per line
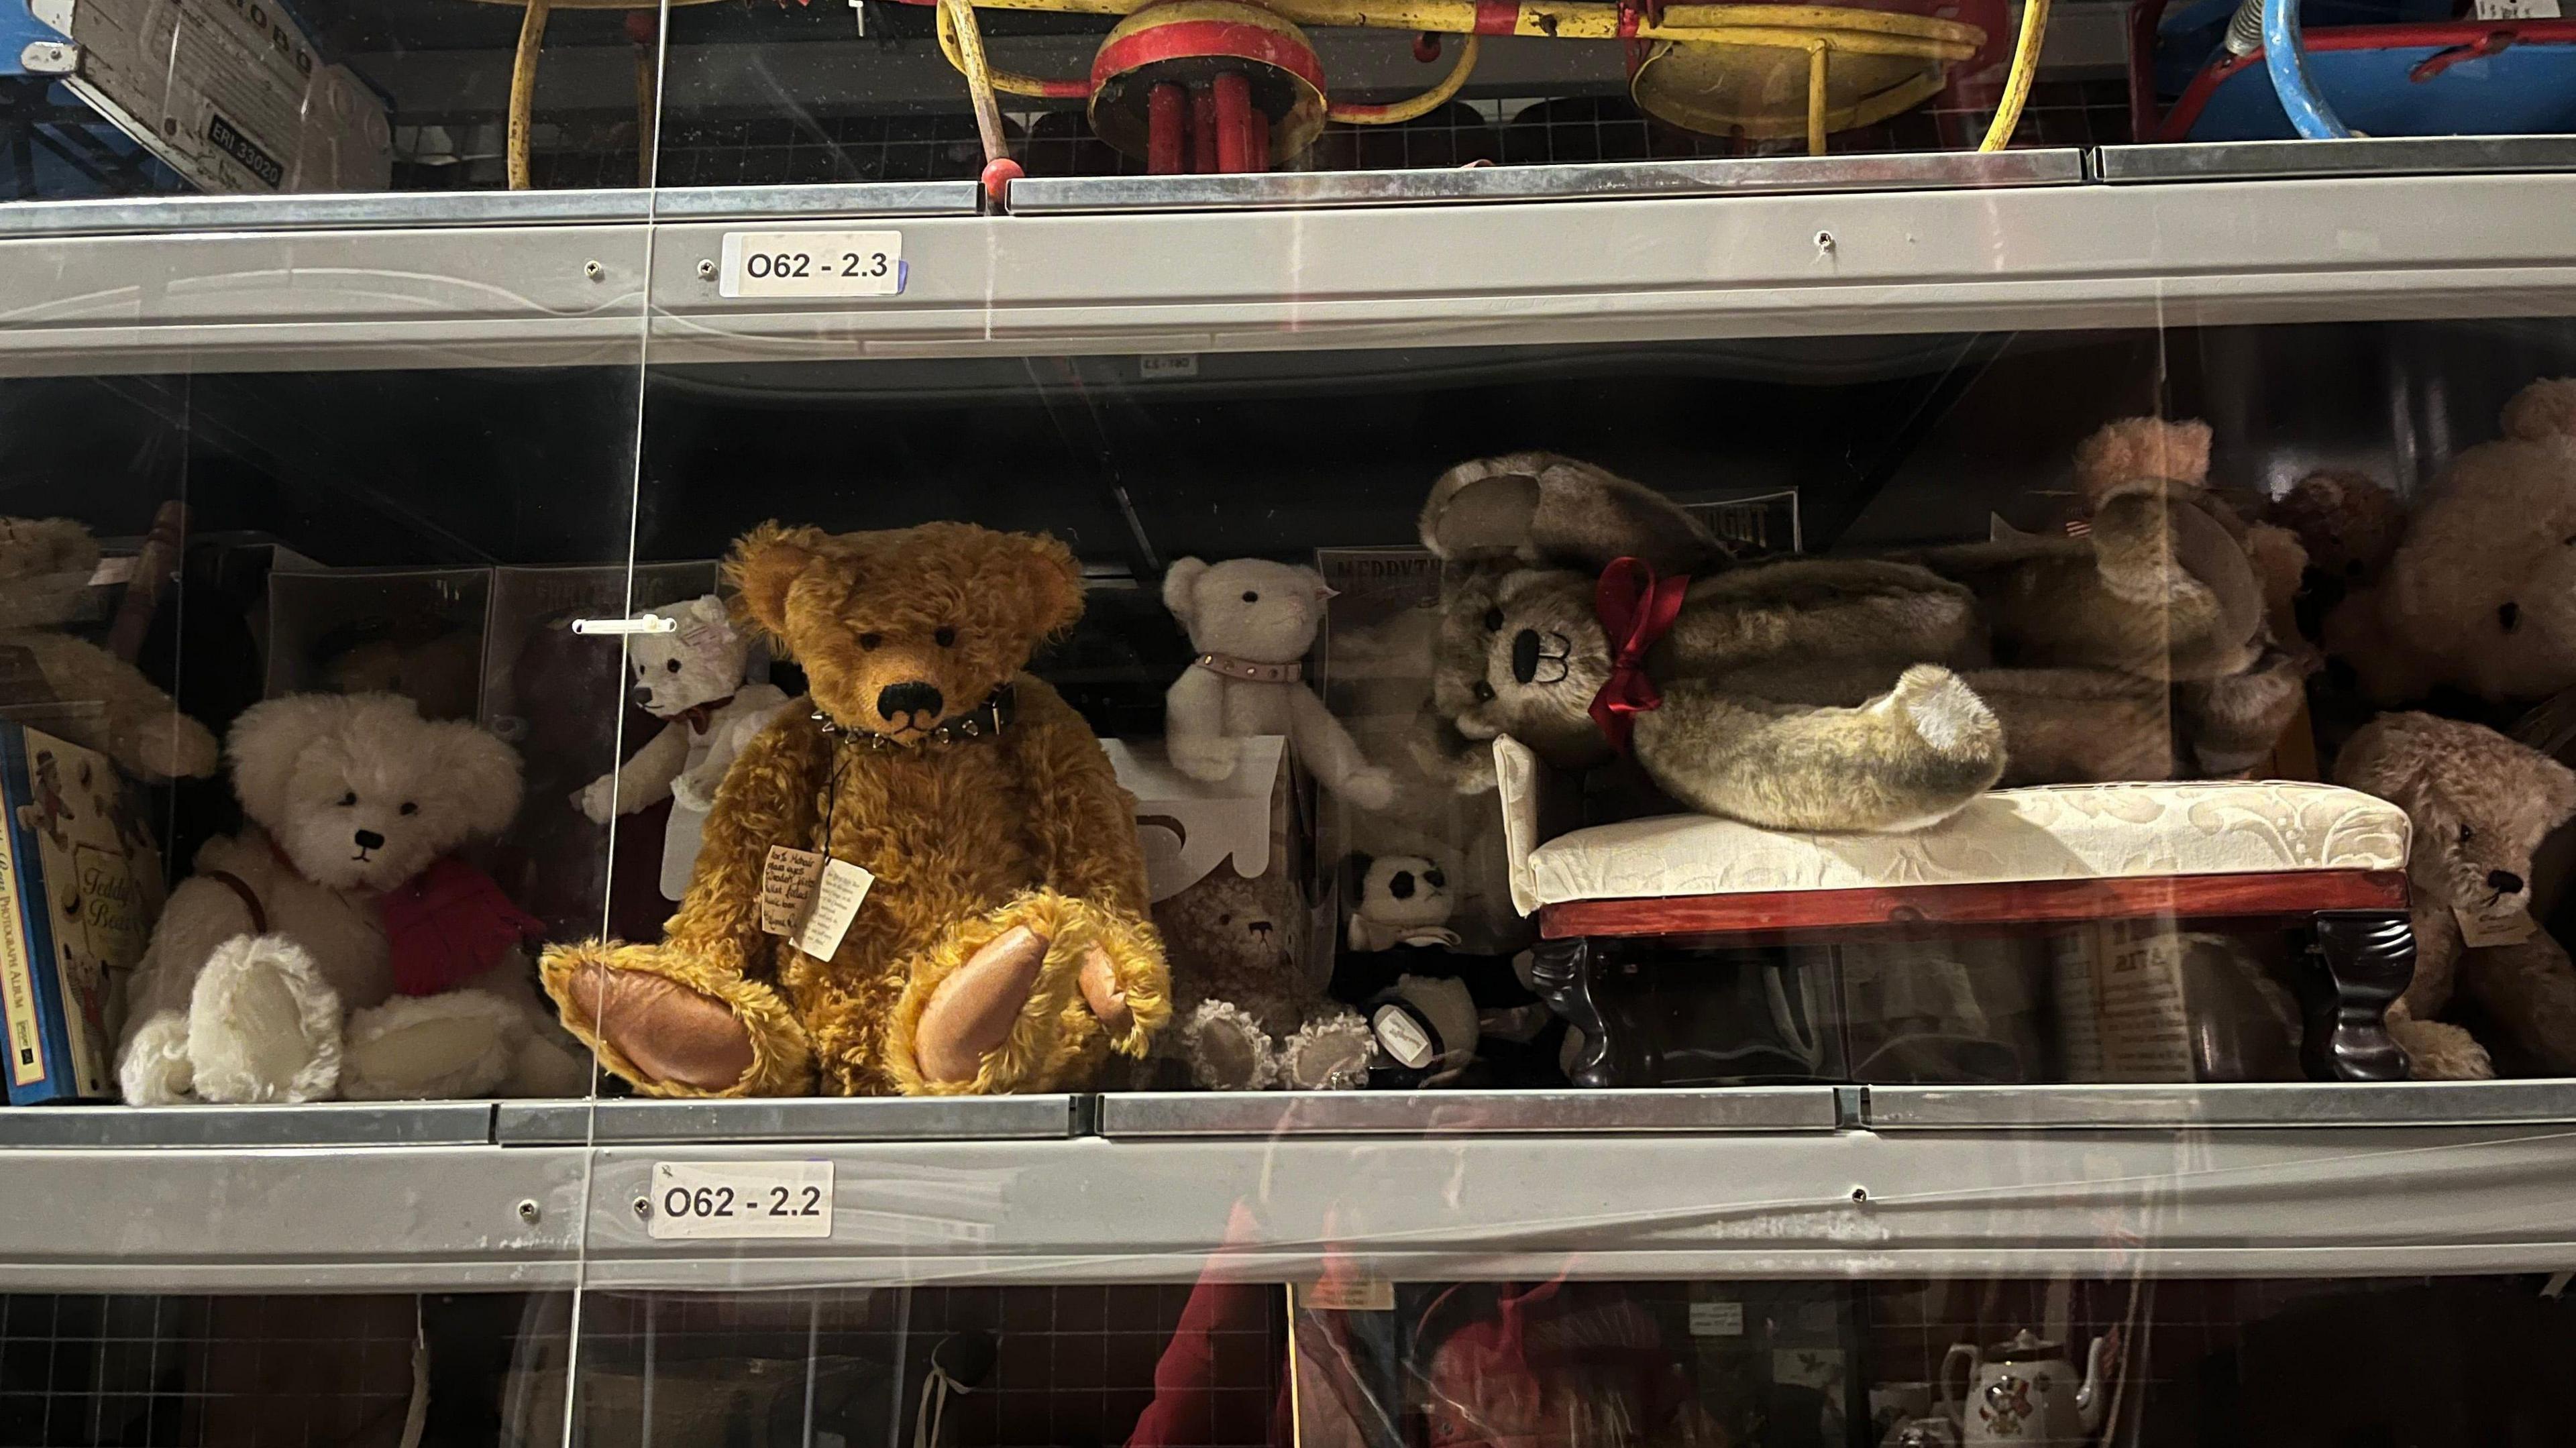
670 1032
973 1010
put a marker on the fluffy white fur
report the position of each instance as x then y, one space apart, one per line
347 795
698 663
1267 613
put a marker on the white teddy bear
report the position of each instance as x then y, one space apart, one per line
332 947
693 677
1252 621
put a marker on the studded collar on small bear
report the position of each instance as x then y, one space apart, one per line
984 721
1250 670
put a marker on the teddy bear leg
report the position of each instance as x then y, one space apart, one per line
1907 759
1027 998
1227 1049
263 1025
426 1048
675 1028
2439 1051
154 1069
1329 1053
2530 990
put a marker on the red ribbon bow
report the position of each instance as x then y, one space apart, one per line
699 716
1636 610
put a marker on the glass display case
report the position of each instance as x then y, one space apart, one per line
761 725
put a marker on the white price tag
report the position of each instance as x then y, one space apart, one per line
2519 10
740 1199
812 264
1717 1319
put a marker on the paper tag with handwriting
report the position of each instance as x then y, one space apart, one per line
1357 1294
836 903
2477 932
787 880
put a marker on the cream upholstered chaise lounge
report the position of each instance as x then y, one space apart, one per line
2272 851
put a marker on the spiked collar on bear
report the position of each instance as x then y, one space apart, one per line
985 721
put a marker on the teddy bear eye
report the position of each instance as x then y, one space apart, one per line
1493 620
673 666
1226 919
944 637
1250 596
1484 691
348 799
410 808
1438 881
870 640
2467 834
2509 615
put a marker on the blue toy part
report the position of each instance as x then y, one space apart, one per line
2309 114
2526 88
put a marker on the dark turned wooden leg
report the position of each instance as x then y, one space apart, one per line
1561 974
2367 958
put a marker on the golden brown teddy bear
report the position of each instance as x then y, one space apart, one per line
1004 945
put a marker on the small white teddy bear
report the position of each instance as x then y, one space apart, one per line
1252 621
693 677
333 947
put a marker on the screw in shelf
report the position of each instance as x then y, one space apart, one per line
706 271
529 1211
593 270
1824 241
1860 1196
643 1206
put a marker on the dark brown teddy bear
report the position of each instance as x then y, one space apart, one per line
1003 945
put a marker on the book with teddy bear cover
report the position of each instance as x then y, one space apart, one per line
80 885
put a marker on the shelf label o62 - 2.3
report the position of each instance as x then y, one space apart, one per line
811 264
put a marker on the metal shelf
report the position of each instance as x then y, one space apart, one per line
1811 1182
1552 255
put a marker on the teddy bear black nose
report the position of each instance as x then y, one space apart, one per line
1401 884
1261 928
2505 880
914 699
1525 655
370 840
643 696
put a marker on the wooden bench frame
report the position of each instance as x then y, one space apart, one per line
2362 959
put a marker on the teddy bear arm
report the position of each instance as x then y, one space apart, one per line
137 724
200 915
645 779
769 801
1083 822
1194 733
1329 752
1907 759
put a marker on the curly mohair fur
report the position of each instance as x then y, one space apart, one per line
45 564
966 839
2480 804
2481 593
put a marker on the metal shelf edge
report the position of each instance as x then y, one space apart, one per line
812 1119
1155 1115
2360 156
352 211
1596 181
2181 1107
319 1124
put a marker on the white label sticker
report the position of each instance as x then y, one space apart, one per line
1717 1319
741 1199
1156 366
2519 10
1358 1294
836 903
812 264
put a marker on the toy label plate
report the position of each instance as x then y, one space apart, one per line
812 264
740 1199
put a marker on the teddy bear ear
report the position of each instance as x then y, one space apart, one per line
482 772
1178 582
765 564
2543 410
1054 592
2137 448
2558 790
264 743
1540 508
